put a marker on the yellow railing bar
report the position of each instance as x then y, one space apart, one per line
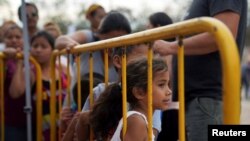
150 93
91 79
226 45
124 91
181 90
60 94
79 100
2 97
38 94
53 98
39 107
106 67
91 94
60 84
68 81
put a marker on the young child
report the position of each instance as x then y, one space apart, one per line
42 45
107 110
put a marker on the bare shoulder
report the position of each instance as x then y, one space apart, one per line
137 119
136 129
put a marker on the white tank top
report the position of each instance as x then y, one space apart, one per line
116 136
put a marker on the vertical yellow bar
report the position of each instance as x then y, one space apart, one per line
69 80
106 66
124 92
150 92
52 99
60 84
2 97
91 95
39 107
79 102
181 90
60 92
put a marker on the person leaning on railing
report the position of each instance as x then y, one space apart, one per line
203 74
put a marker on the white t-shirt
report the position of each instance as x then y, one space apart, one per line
116 136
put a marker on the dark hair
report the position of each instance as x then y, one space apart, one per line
46 35
107 110
85 86
160 19
114 21
118 50
26 4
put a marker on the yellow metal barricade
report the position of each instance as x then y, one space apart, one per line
181 90
38 76
124 92
228 52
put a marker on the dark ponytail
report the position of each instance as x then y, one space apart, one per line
107 112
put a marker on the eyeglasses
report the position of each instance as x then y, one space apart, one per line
31 15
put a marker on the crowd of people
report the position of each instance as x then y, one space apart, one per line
203 78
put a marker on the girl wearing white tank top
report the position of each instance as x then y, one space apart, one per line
106 115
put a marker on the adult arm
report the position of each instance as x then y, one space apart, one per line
17 85
69 41
202 43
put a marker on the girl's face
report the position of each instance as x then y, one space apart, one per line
41 50
161 91
13 38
